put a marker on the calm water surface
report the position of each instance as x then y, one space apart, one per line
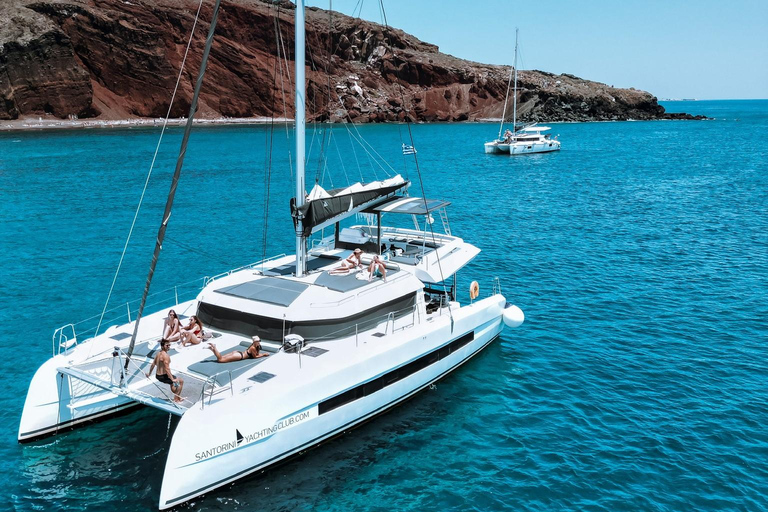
639 254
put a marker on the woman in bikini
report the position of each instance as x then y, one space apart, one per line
354 261
171 326
252 352
192 334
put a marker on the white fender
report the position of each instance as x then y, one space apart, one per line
513 315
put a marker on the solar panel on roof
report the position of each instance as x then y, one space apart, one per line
268 289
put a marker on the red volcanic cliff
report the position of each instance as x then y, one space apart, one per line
119 59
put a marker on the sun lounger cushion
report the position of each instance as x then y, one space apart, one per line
209 367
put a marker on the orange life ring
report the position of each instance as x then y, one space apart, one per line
474 290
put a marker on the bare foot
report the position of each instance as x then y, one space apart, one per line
177 399
211 346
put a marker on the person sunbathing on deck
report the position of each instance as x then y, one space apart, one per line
164 375
355 260
252 352
377 266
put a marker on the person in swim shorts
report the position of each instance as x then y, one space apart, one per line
164 375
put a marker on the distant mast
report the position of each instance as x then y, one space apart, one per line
514 93
301 246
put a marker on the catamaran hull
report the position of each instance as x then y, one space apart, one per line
250 433
57 402
496 148
537 147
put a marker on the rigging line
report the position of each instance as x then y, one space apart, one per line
363 143
506 99
341 160
283 59
270 140
176 176
327 131
151 168
283 73
328 89
191 248
416 161
359 11
322 130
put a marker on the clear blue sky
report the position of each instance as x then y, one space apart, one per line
703 49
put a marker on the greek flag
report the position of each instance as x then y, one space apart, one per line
408 150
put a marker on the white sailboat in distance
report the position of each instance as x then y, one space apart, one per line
341 349
520 141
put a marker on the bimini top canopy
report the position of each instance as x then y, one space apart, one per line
535 129
409 205
324 208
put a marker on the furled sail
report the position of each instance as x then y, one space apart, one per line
326 207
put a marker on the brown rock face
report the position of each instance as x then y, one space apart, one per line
39 72
117 59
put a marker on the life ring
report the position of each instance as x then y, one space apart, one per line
474 290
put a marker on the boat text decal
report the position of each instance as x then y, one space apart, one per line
254 436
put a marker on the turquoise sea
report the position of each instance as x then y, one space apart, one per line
639 254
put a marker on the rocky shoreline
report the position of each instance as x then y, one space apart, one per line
88 62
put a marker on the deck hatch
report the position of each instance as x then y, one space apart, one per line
314 351
120 336
261 377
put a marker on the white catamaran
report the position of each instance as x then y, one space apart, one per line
522 141
341 349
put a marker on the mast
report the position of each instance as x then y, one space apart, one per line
504 110
514 97
301 246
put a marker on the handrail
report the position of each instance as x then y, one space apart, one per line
375 288
358 326
209 280
332 303
122 305
391 316
413 232
212 381
126 306
63 340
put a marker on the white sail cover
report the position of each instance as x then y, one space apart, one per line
323 206
317 192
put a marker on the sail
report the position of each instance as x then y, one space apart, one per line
318 212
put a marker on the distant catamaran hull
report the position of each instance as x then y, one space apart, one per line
496 147
545 146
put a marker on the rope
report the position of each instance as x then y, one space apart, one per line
270 137
416 159
149 174
177 172
190 248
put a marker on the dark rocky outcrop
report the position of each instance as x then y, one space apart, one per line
117 59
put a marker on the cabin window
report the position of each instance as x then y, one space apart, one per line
249 324
395 375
